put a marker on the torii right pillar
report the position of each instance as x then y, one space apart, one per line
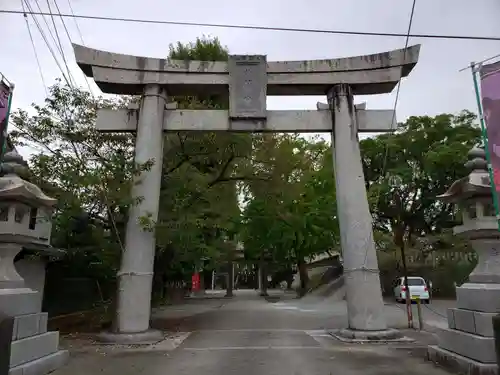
365 306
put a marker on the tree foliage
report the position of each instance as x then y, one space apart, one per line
291 218
424 157
91 174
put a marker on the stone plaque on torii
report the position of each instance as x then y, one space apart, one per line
247 80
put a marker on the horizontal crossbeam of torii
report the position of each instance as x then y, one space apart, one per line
247 80
284 121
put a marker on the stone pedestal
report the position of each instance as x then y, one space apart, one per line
34 350
25 226
467 345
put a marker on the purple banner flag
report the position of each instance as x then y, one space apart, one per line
490 97
4 101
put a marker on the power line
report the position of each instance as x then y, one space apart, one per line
384 167
44 37
34 51
268 28
59 39
75 20
62 20
44 20
479 63
386 151
69 37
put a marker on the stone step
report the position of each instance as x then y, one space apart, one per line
29 325
42 366
34 347
478 348
458 364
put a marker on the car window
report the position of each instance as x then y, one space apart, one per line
416 282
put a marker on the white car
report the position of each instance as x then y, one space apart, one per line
418 289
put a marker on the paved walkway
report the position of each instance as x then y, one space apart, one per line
248 335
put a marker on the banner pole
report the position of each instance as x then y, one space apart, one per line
484 134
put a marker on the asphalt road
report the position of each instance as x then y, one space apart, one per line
249 335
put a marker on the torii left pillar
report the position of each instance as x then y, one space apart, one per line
135 278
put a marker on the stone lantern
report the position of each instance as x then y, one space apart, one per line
467 345
25 226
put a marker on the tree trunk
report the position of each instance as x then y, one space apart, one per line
304 276
263 278
230 279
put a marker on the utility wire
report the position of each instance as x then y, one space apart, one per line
44 37
59 39
62 20
479 63
34 51
386 151
44 20
70 41
268 28
75 20
68 82
102 186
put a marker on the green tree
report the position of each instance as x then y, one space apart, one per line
91 173
291 217
424 156
199 202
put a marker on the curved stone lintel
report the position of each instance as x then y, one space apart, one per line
126 74
131 82
88 57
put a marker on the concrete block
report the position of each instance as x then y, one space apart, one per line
484 323
42 366
478 348
34 347
14 330
464 320
16 371
477 322
29 325
19 301
44 319
458 364
479 297
451 318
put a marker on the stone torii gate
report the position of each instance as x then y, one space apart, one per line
248 80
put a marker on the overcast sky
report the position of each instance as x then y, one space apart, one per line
435 85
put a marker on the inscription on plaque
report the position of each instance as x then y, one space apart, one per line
247 86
